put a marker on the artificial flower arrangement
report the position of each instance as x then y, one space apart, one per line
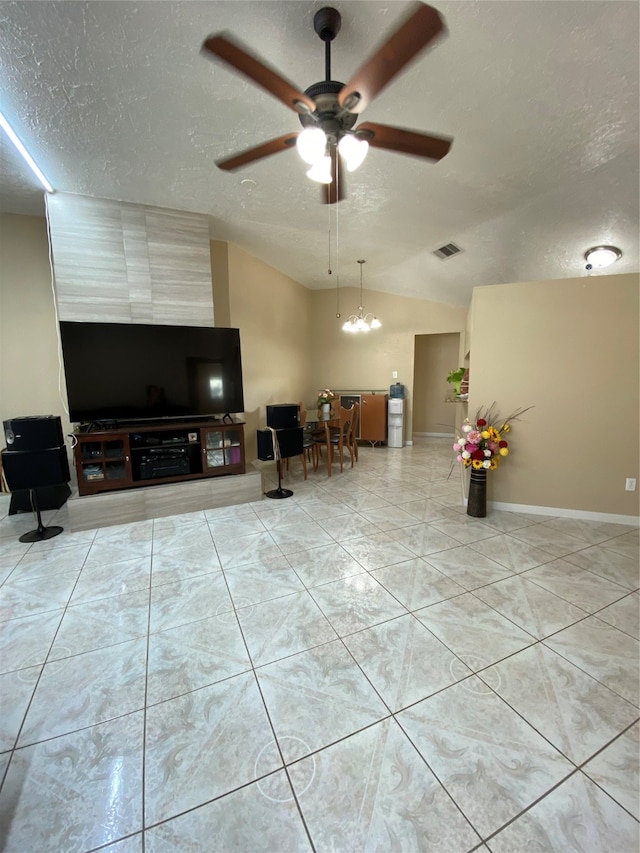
482 444
326 396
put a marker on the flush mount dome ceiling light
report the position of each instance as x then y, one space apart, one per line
602 256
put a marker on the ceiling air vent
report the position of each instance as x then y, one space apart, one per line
447 251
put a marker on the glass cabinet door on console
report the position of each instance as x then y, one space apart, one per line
103 463
223 448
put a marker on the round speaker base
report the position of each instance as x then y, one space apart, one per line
278 493
41 534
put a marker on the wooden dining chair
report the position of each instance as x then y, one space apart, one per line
353 434
336 437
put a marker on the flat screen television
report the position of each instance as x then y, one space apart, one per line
130 372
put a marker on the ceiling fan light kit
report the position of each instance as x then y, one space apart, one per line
328 110
311 144
354 151
321 171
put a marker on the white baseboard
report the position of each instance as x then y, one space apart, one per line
559 512
435 434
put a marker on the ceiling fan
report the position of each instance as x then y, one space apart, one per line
328 110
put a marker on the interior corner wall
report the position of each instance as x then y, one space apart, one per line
129 263
570 349
31 376
366 362
278 342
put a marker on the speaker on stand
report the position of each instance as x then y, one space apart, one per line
279 444
35 457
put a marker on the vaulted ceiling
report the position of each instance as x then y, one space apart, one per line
115 100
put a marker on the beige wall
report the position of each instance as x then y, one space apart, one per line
570 349
31 378
220 282
435 357
366 361
272 312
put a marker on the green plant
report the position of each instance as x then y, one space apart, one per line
455 377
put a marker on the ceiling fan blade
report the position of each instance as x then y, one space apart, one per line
259 73
422 26
405 141
281 143
335 191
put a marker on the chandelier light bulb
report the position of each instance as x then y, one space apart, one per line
353 150
311 144
321 171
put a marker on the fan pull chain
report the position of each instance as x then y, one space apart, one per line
337 254
329 270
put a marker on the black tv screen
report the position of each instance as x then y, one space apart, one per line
131 372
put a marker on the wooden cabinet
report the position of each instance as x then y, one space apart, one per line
373 414
373 418
142 455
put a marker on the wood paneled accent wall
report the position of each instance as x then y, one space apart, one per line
116 262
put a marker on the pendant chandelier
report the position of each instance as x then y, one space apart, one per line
361 322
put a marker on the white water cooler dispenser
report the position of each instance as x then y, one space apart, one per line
395 423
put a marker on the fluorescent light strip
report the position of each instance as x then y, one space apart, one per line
25 154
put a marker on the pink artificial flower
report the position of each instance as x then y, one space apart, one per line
471 447
457 447
474 436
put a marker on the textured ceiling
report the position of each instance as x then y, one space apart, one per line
114 100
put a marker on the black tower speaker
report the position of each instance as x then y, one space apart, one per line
39 432
289 440
290 444
283 416
33 470
265 445
35 458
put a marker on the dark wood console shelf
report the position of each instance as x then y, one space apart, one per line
141 455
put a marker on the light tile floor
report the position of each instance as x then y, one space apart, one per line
361 667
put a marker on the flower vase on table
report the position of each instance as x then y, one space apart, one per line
325 398
481 447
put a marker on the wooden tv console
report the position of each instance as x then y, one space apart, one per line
133 455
